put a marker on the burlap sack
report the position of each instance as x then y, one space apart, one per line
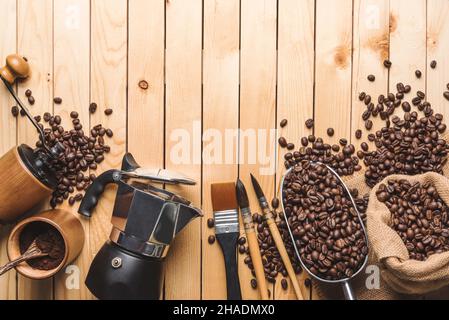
401 273
401 278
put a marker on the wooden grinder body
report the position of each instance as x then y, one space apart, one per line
20 190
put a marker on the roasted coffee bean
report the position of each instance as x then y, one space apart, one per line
387 64
211 239
74 115
309 123
31 100
93 107
253 283
15 111
275 203
358 134
330 132
421 95
71 201
418 215
368 124
284 284
304 141
283 123
22 113
28 93
362 96
418 74
109 133
433 64
406 106
364 146
371 78
78 197
210 223
290 146
446 95
282 142
108 111
242 241
57 100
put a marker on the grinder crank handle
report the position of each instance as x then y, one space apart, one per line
96 189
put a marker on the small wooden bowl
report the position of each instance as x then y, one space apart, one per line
67 225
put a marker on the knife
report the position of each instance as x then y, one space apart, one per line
268 215
253 245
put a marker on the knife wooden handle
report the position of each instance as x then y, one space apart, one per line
284 255
256 259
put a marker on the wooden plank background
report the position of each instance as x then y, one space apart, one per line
211 65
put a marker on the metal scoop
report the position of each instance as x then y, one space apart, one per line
345 282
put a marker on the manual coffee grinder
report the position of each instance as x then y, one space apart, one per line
26 177
145 221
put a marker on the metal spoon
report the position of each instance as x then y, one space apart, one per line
32 252
345 282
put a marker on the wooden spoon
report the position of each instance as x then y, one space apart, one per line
32 252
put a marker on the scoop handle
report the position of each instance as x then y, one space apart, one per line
347 290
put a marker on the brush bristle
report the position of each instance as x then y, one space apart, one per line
223 196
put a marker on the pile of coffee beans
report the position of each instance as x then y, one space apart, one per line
418 215
82 152
341 157
271 259
326 227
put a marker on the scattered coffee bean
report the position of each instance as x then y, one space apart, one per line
31 100
275 203
210 223
242 241
283 123
15 111
308 283
253 283
108 111
28 93
57 100
330 132
290 146
368 124
74 115
371 78
433 64
358 134
418 74
284 284
211 239
446 95
283 142
93 107
22 113
71 201
362 96
387 64
309 123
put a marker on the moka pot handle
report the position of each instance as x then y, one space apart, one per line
96 189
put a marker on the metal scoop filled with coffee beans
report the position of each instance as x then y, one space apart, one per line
327 231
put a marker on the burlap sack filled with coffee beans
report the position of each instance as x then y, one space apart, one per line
401 277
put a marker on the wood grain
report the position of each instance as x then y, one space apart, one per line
183 119
371 49
295 89
108 90
35 41
8 129
72 83
408 43
437 49
333 68
220 113
257 105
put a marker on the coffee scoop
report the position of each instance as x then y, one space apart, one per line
345 281
17 67
39 248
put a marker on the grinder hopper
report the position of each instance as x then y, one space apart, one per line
145 221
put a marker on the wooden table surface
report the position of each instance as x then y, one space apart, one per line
210 64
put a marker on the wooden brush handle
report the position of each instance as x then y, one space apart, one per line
284 255
256 259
